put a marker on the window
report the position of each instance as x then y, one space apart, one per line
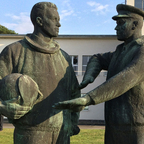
74 60
85 60
139 4
86 108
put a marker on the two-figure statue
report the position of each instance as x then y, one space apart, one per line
38 60
123 91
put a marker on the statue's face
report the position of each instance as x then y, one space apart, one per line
124 28
51 22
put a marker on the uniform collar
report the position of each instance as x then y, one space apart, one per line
139 41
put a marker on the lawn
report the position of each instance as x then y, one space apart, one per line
86 136
89 136
6 136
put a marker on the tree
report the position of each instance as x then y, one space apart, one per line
4 30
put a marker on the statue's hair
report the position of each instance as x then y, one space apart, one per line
38 10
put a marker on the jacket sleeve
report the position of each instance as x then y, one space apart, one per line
97 63
6 62
126 79
74 115
75 93
5 66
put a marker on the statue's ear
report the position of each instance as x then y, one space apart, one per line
39 21
135 23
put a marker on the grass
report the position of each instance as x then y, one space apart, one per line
89 136
6 136
86 136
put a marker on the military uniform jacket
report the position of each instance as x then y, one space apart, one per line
51 69
123 92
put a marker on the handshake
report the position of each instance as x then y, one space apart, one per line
77 104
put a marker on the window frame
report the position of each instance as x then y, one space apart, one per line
85 65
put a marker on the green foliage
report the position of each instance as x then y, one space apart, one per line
4 30
86 136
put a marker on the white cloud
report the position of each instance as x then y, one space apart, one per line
67 9
91 3
21 24
65 13
65 2
14 17
97 7
107 21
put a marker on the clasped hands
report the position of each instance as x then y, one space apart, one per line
77 104
12 110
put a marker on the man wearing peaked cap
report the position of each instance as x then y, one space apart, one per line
123 91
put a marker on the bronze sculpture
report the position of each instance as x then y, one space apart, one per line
39 56
123 91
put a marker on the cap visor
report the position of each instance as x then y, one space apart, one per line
120 16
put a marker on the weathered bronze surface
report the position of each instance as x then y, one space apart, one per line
123 90
39 56
22 91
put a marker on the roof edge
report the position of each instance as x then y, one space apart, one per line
20 36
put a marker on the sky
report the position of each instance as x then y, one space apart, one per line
77 17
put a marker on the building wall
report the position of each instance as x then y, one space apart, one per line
80 45
130 2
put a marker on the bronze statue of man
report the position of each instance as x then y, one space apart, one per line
39 56
123 91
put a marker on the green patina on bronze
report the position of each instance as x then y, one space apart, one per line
123 91
39 57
